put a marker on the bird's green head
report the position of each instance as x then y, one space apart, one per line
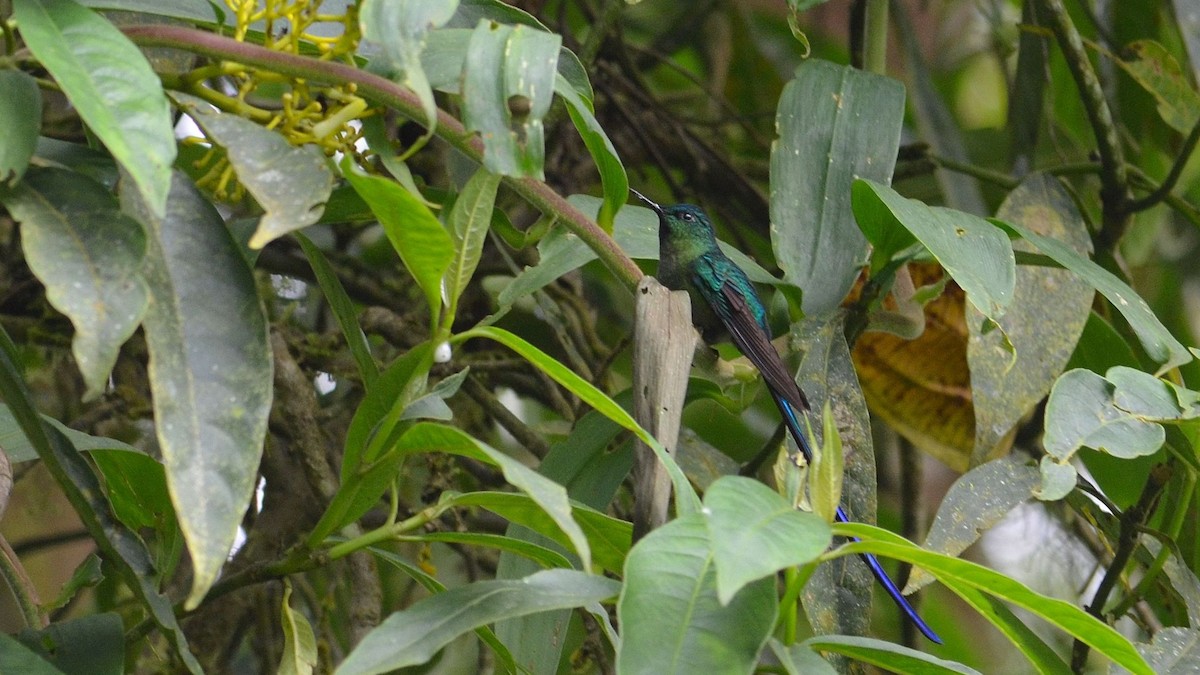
679 220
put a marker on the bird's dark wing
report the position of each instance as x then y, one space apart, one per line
730 301
725 288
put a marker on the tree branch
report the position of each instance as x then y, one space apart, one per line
1114 178
392 95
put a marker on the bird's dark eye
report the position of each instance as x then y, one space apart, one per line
688 217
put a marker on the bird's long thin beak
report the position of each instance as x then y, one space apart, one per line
654 205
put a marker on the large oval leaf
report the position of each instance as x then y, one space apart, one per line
671 618
838 598
20 117
754 533
979 499
120 546
290 183
978 256
210 371
508 83
1082 411
836 124
111 85
89 255
1154 336
1013 368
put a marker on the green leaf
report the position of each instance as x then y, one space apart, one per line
592 468
18 448
508 83
198 11
1058 479
825 484
686 500
754 533
20 117
118 545
365 474
1144 395
343 310
299 643
550 496
210 371
136 486
396 30
975 503
446 51
1013 368
956 574
89 256
290 183
836 123
357 494
471 12
110 84
670 616
432 585
91 644
414 231
433 405
798 659
17 658
95 164
411 637
469 220
86 575
541 555
890 656
1081 412
1153 67
384 405
838 597
612 172
1041 656
1173 650
977 256
1158 342
608 538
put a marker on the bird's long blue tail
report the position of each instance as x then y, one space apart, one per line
793 424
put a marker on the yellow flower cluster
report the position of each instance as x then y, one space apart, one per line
302 113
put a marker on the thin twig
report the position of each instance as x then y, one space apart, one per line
1114 179
505 418
1131 520
22 587
1172 178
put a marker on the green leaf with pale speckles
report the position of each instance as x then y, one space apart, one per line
210 371
1013 368
89 256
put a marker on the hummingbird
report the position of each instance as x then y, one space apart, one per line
725 302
